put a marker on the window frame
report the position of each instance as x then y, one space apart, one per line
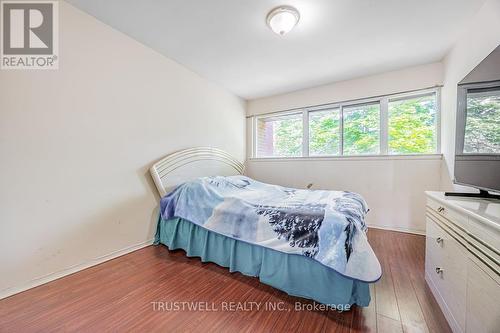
276 115
384 125
307 118
415 94
364 103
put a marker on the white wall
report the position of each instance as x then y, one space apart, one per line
76 144
375 85
393 187
481 36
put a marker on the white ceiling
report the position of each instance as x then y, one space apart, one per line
227 41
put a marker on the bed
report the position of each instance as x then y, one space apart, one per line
307 243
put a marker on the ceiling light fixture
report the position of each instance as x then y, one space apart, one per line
282 19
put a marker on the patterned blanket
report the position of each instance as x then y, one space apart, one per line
327 226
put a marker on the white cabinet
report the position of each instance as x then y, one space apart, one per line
483 301
462 261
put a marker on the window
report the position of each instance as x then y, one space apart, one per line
412 125
324 132
280 136
398 124
482 123
362 129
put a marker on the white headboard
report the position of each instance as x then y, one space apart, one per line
188 164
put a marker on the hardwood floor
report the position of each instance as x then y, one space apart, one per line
119 294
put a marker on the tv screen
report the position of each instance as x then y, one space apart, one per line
477 153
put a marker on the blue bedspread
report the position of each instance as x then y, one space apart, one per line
327 226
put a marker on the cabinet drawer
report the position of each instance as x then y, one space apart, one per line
451 257
433 243
448 213
483 293
434 253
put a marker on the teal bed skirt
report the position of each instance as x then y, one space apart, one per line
294 274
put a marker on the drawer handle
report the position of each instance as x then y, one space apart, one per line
439 270
440 209
439 240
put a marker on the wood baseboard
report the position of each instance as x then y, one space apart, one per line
70 270
398 229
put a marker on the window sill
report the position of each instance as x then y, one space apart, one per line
349 158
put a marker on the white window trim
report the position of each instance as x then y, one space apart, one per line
305 133
384 126
384 123
426 157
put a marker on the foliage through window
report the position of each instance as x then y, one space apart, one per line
324 132
280 136
397 125
362 129
412 125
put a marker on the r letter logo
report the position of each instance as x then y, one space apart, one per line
29 35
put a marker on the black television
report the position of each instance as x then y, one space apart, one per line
477 146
